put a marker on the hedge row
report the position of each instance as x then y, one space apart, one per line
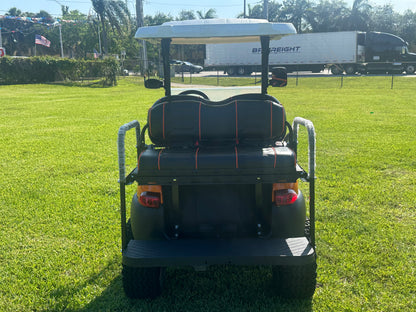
49 69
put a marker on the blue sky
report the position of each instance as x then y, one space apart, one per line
224 9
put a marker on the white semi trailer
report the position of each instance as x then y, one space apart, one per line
349 51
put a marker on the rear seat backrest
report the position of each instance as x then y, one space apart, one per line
236 121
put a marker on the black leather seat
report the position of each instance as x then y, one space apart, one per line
241 136
203 158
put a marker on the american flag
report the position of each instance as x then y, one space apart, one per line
42 40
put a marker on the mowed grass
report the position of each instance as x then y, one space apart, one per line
59 204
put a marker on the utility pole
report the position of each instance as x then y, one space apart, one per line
60 28
266 9
60 39
245 15
139 13
99 37
140 23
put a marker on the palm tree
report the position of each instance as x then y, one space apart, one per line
257 11
253 12
328 15
158 19
211 13
14 12
360 16
384 19
297 13
186 15
111 13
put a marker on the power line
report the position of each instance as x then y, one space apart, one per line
69 2
192 5
57 2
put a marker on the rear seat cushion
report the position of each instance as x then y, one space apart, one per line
194 121
203 160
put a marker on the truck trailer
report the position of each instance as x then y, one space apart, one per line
347 51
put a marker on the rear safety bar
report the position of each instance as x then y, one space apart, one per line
296 122
122 172
311 167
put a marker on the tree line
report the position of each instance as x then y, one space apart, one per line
110 28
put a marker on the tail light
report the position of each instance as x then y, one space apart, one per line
150 199
150 195
285 197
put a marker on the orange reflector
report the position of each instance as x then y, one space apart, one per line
150 189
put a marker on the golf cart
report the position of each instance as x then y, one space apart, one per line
218 183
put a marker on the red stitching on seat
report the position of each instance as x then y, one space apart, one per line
196 158
271 119
236 157
199 121
283 121
158 159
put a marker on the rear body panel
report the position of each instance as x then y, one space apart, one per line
197 252
218 224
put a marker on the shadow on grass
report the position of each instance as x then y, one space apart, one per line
220 288
97 83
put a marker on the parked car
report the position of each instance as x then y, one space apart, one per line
175 62
181 66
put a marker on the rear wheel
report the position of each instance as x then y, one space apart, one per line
295 281
336 70
241 71
141 283
129 232
410 69
231 71
350 69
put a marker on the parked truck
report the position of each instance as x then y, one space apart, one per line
348 51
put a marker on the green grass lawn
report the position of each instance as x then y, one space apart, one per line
59 204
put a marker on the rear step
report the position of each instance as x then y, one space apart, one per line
193 252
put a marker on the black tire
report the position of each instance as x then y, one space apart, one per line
142 283
350 70
410 69
241 71
129 232
295 281
231 71
336 70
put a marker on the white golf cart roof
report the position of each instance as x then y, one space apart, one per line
205 31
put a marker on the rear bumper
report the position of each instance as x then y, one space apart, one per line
197 252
